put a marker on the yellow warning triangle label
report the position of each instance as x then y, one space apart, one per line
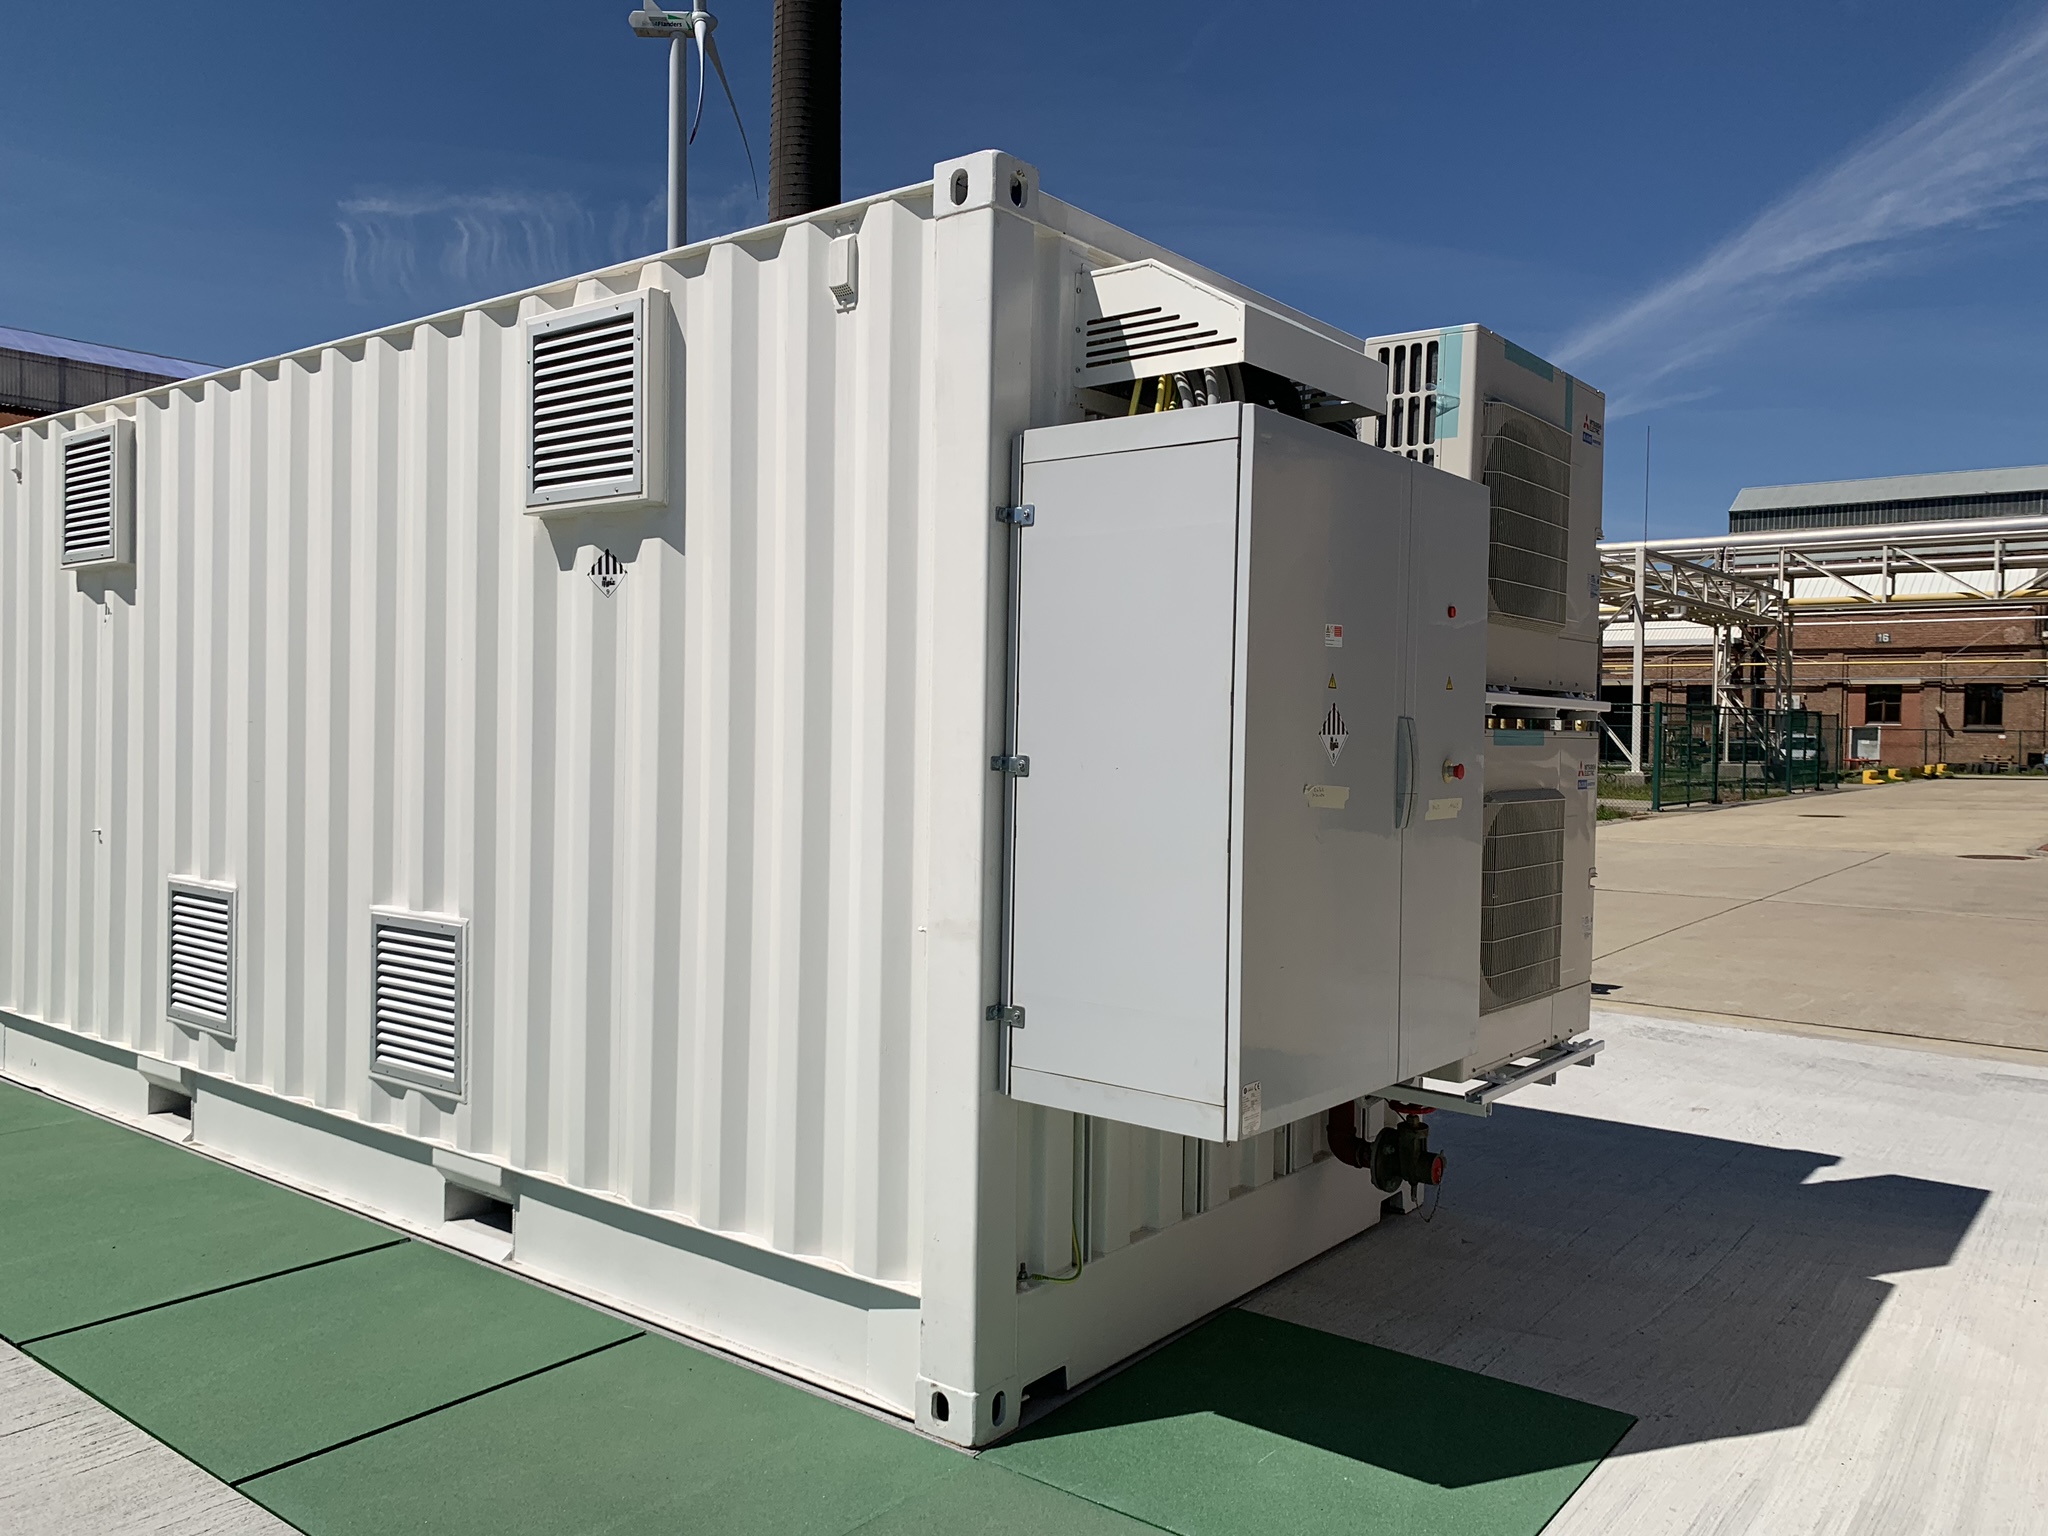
1333 679
1447 685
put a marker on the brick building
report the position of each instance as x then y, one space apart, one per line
1920 609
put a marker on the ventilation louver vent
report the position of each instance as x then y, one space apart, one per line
1521 897
588 379
95 511
416 989
1144 319
200 988
1528 473
1141 335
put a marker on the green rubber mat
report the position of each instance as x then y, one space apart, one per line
648 1437
987 1501
97 1220
245 1380
24 1110
1253 1424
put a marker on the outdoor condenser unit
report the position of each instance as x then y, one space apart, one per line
1472 403
566 748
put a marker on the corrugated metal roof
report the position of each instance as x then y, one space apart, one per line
39 345
1943 486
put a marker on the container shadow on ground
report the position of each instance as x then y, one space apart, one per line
1412 1417
1711 1288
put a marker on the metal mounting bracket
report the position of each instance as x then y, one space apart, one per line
1015 767
1009 1014
1536 1067
1017 517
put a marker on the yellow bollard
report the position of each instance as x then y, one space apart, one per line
1941 770
1872 776
1895 775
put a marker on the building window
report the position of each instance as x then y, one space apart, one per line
1699 695
1881 703
1984 704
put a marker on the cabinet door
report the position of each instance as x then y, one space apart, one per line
1126 657
1320 913
1440 853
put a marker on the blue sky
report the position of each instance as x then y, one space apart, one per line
1791 242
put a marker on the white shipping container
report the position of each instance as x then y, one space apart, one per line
538 757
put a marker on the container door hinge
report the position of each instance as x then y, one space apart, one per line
1018 517
1015 767
1008 1014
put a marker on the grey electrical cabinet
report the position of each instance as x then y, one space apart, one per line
1250 658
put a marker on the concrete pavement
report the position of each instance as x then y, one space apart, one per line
1815 1269
1910 909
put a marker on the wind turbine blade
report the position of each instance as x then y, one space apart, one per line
712 42
702 31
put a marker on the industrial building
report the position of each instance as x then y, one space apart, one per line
897 792
1917 609
41 375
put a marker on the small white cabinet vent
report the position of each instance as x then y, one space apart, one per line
96 496
1521 897
417 998
1144 319
200 956
594 416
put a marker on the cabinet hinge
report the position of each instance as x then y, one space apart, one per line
1015 767
1021 517
1007 1014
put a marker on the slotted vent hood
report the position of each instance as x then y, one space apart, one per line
1521 897
1143 319
417 998
591 417
97 513
200 946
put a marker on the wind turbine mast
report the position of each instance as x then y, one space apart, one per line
679 29
803 109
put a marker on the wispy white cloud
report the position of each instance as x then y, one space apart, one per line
437 245
1975 152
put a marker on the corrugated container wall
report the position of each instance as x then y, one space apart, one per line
718 834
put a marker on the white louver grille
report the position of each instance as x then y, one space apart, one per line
1521 897
588 380
417 998
94 510
200 989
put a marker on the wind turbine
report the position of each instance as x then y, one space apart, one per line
681 28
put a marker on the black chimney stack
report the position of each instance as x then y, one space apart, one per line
803 109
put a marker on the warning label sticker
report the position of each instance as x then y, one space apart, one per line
1334 734
607 573
1333 636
